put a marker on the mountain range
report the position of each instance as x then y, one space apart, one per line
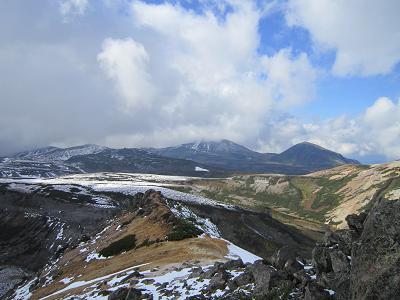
299 159
206 159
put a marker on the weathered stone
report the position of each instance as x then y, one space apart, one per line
212 271
302 277
340 262
148 281
126 294
375 262
219 281
135 274
196 272
292 265
356 222
263 275
321 260
281 256
315 292
233 264
241 280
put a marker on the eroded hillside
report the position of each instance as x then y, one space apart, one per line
323 197
87 236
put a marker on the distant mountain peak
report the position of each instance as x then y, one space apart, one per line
310 154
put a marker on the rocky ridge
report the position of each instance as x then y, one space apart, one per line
361 262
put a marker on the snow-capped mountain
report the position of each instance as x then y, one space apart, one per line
299 159
59 154
205 158
53 161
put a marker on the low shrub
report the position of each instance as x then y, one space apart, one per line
183 230
126 243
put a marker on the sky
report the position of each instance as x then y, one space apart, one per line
138 73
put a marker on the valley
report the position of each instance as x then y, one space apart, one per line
116 235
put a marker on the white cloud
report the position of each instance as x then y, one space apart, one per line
364 33
125 62
374 132
165 75
202 76
73 7
286 77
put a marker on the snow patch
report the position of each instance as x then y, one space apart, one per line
236 252
198 169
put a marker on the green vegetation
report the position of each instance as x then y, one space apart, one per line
222 196
146 243
125 244
183 229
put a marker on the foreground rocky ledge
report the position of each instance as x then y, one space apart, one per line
362 262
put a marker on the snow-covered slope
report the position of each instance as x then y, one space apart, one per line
128 184
58 154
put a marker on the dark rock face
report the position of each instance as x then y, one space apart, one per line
219 280
35 229
375 270
258 233
356 222
321 260
314 291
127 294
11 276
364 261
263 275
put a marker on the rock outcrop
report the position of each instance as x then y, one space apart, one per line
362 262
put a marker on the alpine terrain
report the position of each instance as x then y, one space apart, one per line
204 159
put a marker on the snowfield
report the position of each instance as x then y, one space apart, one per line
128 184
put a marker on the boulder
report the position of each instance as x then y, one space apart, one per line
281 256
212 271
219 281
263 275
321 260
340 262
241 280
375 261
126 294
233 264
356 222
315 292
302 277
196 272
292 266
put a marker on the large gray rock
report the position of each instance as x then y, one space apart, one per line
315 292
281 256
218 281
356 222
241 280
375 270
321 259
263 275
341 239
126 294
340 262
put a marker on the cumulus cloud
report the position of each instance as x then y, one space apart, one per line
163 74
202 76
125 62
373 132
364 34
